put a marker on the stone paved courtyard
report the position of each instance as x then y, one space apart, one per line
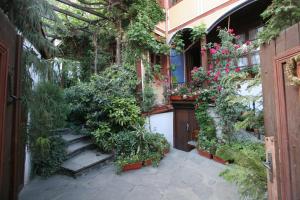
180 176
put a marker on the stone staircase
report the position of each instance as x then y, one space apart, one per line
82 154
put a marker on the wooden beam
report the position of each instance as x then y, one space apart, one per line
83 8
105 3
66 12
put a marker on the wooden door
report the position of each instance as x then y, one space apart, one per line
282 115
287 99
184 125
12 148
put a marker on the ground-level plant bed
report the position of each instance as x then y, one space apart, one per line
204 153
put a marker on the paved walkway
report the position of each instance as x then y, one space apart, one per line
180 176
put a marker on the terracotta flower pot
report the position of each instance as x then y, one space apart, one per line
219 160
204 154
147 162
132 166
176 98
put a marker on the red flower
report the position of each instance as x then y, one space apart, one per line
238 69
227 65
208 73
213 51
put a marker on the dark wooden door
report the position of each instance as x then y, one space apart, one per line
11 140
288 123
184 125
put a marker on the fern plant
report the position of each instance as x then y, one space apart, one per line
248 171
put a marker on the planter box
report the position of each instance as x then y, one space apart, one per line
204 154
219 160
147 162
132 166
180 98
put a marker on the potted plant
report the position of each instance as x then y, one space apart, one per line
129 163
222 154
204 147
151 158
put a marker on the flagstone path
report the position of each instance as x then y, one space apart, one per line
180 176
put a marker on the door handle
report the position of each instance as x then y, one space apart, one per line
187 127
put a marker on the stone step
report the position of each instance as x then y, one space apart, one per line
84 161
78 147
73 138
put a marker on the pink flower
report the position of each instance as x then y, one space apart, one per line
216 78
208 73
238 37
210 66
236 46
213 51
225 51
217 46
227 65
227 70
219 88
230 31
248 42
238 69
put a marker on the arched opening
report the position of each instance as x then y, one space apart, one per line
182 62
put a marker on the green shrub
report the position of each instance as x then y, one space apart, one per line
47 155
48 111
103 137
148 98
123 112
248 171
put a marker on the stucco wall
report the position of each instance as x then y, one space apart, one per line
162 123
190 13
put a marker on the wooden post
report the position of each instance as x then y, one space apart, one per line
204 57
298 73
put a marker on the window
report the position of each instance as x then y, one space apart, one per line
243 61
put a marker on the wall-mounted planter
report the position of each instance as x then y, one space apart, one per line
182 98
204 154
132 166
219 160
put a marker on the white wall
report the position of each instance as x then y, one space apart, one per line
162 123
